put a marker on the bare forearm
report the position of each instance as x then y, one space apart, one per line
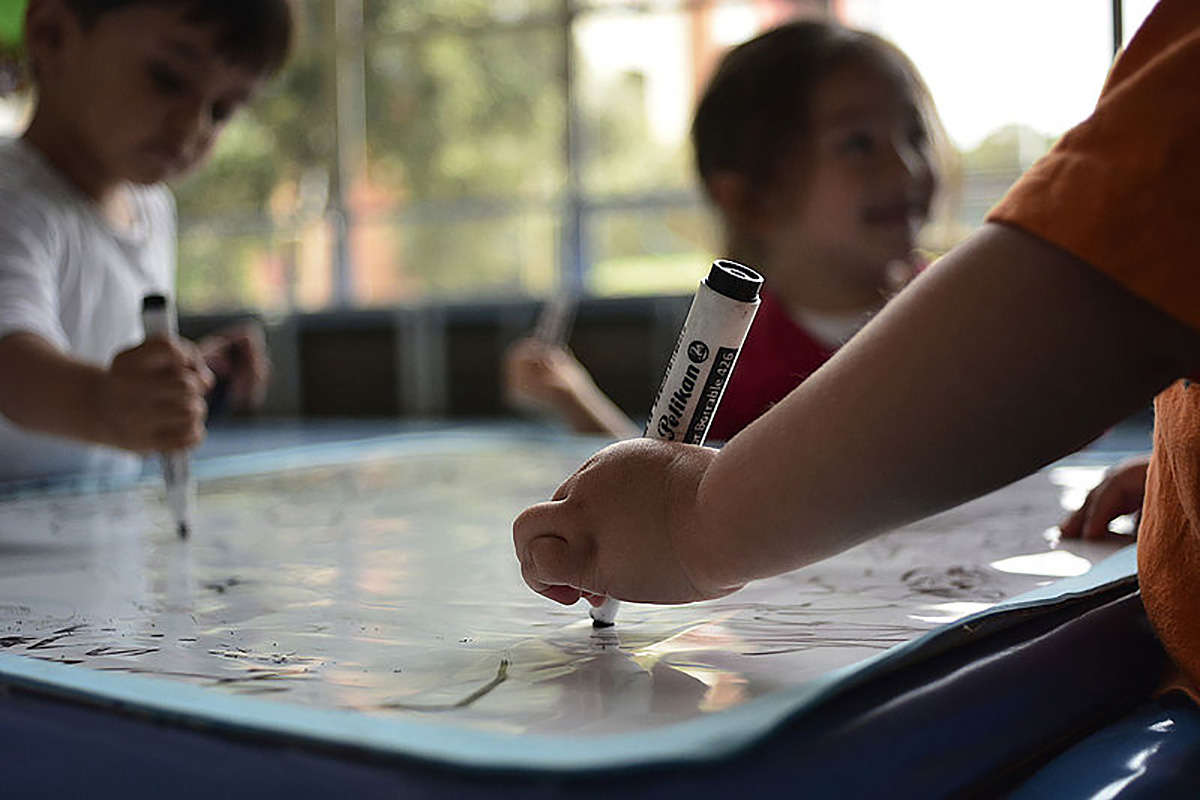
1005 356
43 390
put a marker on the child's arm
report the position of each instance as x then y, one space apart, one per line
1003 358
149 399
548 377
1121 492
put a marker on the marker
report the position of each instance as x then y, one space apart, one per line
554 322
700 367
158 320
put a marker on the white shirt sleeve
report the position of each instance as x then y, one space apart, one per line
28 290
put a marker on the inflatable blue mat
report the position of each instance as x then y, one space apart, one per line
1025 698
970 709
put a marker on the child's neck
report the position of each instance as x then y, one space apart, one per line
110 195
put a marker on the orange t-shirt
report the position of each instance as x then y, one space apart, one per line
1122 191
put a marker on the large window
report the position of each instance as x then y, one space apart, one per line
461 148
1008 77
428 150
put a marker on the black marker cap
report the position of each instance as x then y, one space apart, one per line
733 280
153 302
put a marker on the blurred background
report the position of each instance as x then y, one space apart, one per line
425 173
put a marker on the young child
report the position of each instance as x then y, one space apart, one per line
817 145
1076 302
130 93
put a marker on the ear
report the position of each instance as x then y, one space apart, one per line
49 24
742 207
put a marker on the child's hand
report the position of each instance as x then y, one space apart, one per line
546 377
543 376
623 525
152 397
238 358
1121 492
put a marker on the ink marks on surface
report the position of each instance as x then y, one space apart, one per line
223 585
954 582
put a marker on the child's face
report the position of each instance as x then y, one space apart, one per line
142 95
865 182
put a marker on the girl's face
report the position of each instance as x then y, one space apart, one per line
861 186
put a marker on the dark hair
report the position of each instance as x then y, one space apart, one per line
756 105
252 33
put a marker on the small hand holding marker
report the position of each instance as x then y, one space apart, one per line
542 375
539 372
152 397
623 526
564 555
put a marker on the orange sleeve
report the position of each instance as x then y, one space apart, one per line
1122 189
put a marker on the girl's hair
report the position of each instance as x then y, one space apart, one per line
253 33
756 106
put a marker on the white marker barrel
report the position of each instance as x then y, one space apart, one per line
158 319
705 354
700 367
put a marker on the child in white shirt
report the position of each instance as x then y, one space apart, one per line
130 94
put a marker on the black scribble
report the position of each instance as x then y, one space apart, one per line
48 643
263 675
274 659
13 641
222 586
952 582
68 629
105 650
482 691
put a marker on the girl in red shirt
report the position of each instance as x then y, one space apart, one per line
818 146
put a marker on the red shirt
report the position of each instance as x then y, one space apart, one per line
777 356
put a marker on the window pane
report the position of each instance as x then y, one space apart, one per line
255 264
465 163
431 257
1008 78
656 250
265 187
394 16
461 116
635 88
1134 13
